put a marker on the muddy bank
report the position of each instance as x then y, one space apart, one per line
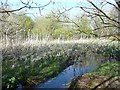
94 82
107 76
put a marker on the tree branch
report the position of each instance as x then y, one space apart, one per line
26 5
102 83
103 13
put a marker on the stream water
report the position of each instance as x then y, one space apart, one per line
64 78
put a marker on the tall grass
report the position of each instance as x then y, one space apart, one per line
31 61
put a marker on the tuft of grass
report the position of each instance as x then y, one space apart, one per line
108 69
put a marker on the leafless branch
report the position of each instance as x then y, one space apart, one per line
106 27
114 5
26 5
104 13
102 82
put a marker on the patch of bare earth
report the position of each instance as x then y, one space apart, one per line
92 81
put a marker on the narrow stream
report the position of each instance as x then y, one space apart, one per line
62 80
64 77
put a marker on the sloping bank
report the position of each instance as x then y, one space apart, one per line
106 76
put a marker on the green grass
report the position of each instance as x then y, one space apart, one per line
39 63
108 69
107 76
38 71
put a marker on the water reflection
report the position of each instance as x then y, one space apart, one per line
78 68
63 78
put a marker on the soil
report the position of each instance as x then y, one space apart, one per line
92 81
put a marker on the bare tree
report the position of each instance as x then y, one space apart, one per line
9 22
102 20
105 19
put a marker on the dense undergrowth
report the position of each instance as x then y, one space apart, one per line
32 64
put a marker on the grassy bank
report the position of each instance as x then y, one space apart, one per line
29 69
108 69
106 76
30 63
